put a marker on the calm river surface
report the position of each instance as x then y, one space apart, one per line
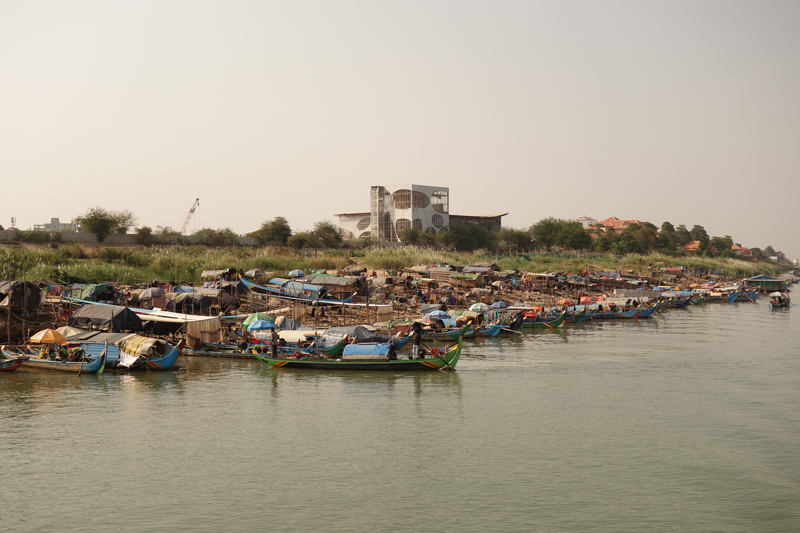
686 422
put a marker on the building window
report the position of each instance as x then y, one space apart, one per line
431 230
363 223
439 200
364 234
418 224
388 227
437 220
402 224
420 200
401 199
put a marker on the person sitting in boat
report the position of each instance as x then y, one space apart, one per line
62 354
76 354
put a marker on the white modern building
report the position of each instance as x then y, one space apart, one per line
395 208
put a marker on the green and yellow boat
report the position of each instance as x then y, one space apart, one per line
443 359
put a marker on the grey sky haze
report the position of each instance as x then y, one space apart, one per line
680 111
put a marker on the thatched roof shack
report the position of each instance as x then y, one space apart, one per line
19 295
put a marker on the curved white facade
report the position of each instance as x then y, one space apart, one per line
395 208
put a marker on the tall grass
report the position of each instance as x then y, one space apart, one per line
75 263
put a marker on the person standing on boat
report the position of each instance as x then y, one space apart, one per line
416 340
274 341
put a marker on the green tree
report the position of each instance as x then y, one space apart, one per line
514 240
545 232
668 228
467 238
220 237
571 235
769 251
297 240
275 230
412 236
698 233
326 234
757 253
722 245
98 221
123 221
145 235
682 236
427 239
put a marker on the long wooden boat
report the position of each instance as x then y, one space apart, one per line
11 365
617 314
446 360
533 320
280 292
748 296
648 311
141 353
491 330
677 303
446 335
721 297
79 367
578 316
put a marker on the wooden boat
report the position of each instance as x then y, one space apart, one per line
721 296
576 316
648 311
132 352
779 299
676 303
490 330
534 320
618 314
447 335
296 291
748 296
445 360
11 365
80 367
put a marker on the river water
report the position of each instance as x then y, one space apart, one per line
689 421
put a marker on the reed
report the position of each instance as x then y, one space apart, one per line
77 264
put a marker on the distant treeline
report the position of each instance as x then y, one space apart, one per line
546 235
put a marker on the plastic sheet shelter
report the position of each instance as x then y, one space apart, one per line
112 318
359 333
19 294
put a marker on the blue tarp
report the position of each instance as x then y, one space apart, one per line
366 349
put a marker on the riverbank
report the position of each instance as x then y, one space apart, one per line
76 263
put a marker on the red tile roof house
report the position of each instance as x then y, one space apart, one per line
738 250
692 247
617 224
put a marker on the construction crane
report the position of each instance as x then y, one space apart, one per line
189 216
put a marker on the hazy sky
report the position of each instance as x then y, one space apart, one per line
686 111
